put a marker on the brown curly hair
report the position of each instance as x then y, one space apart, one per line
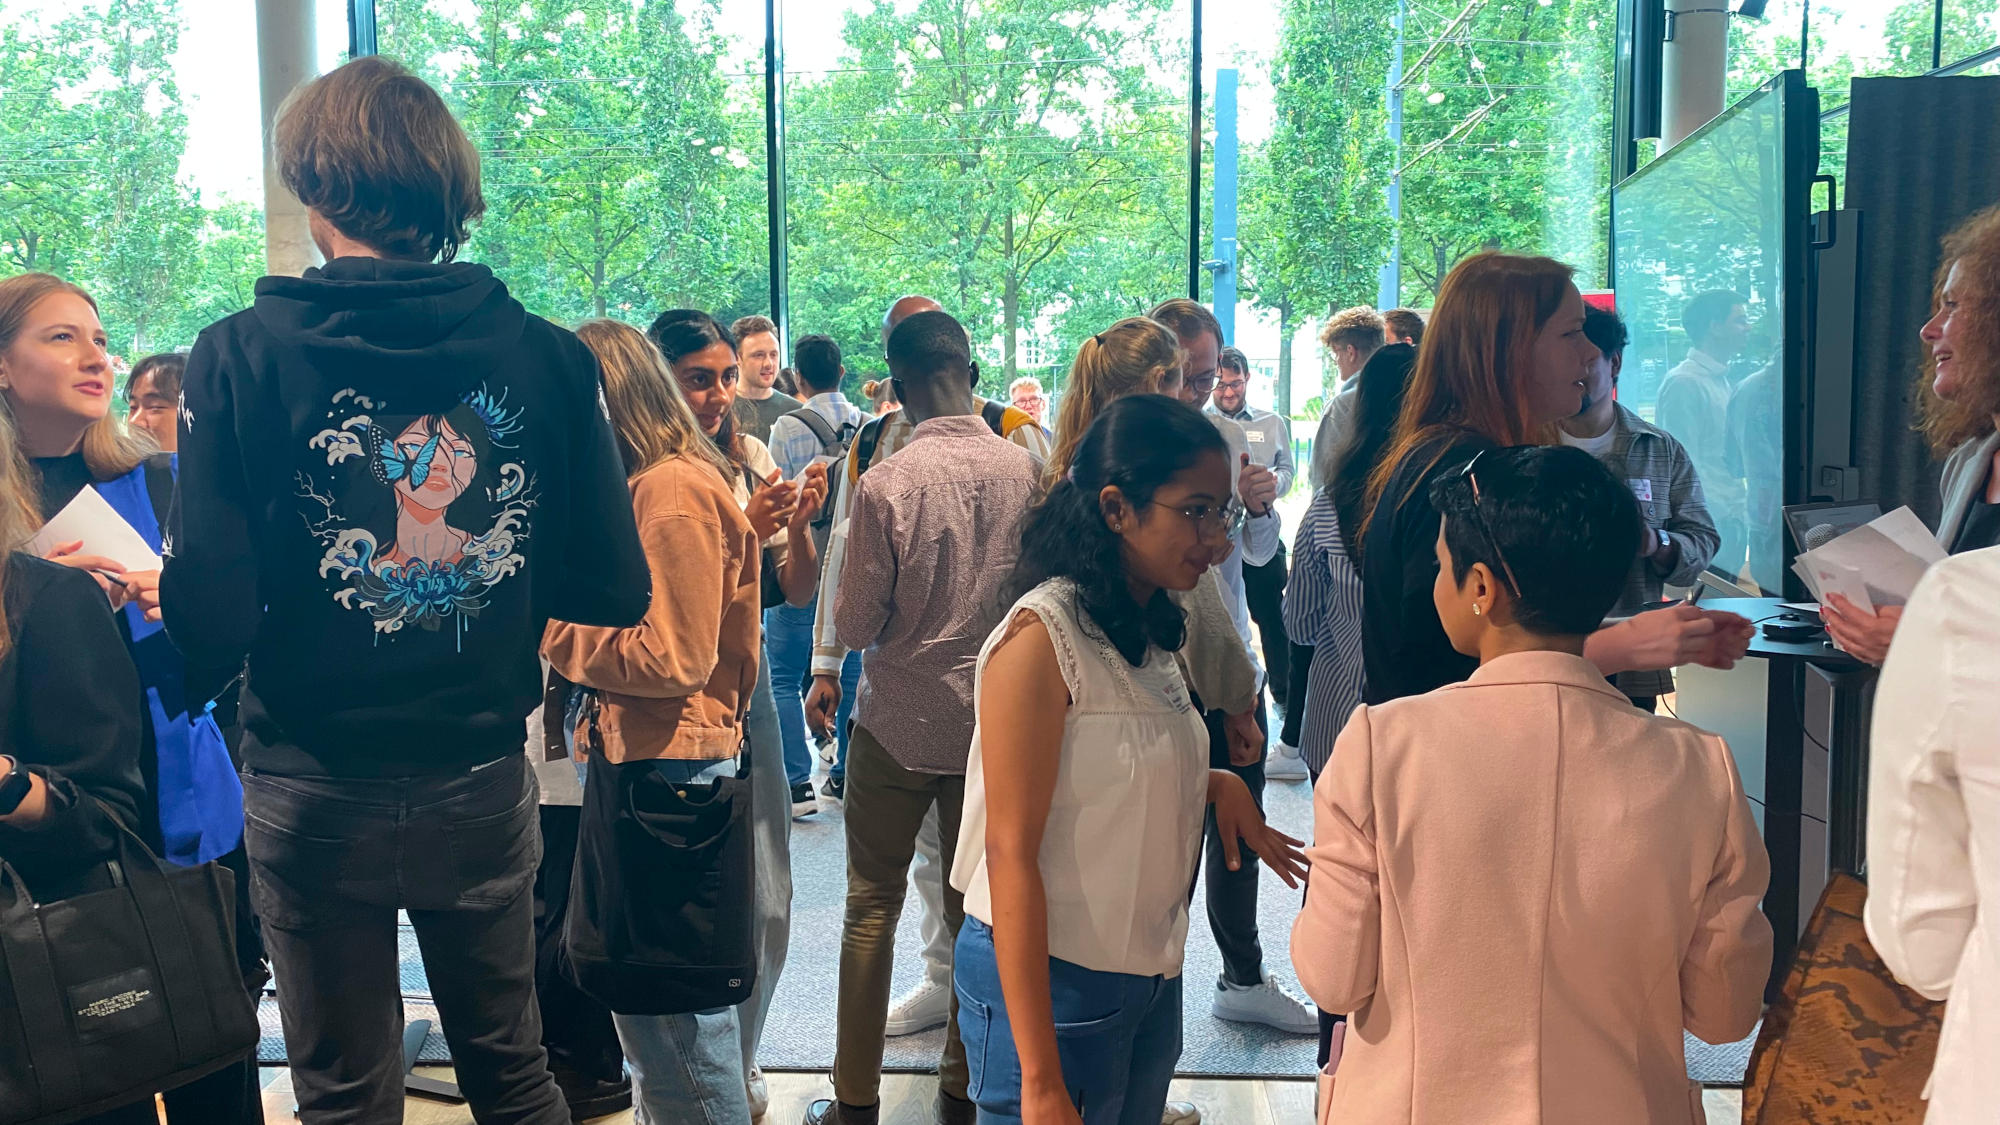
1974 247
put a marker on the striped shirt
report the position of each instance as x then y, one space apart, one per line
1323 610
896 431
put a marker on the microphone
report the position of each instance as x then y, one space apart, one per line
1819 535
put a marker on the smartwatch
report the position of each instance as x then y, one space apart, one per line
15 787
1662 541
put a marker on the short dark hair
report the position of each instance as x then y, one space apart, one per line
1603 328
929 344
1234 359
374 150
817 360
1707 310
166 369
1405 324
752 325
1563 524
1188 318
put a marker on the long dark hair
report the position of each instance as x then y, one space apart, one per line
1137 443
1378 403
680 333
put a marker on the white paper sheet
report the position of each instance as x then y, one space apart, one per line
103 532
1877 564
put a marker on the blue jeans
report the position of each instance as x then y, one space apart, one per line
1118 1037
686 1069
788 640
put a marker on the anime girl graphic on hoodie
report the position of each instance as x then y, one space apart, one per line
451 540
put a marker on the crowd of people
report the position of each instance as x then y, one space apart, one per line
535 635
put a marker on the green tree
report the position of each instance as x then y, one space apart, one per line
92 135
1506 140
1017 159
614 165
1315 227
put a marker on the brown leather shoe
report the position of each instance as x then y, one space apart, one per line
826 1111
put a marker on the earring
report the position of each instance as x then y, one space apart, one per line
1476 611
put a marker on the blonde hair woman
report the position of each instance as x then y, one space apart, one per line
56 387
1136 356
673 691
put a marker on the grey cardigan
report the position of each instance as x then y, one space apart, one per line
1964 473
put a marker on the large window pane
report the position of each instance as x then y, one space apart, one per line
1848 39
1022 161
1505 130
1970 27
622 145
1507 138
130 161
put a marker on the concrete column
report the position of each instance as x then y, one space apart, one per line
286 56
1694 67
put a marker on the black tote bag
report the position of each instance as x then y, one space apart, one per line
661 898
111 995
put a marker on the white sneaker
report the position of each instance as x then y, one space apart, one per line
1180 1113
1285 764
759 1091
1264 1003
925 1007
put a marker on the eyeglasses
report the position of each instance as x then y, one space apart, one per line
1470 476
1201 384
1224 520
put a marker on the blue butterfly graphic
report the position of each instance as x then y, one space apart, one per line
391 464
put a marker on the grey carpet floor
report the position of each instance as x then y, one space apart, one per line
800 1034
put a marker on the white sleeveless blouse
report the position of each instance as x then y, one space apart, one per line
1125 824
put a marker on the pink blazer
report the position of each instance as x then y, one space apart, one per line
1523 889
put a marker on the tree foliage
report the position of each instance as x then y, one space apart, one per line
1019 160
91 139
620 177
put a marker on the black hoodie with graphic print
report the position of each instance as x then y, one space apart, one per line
391 477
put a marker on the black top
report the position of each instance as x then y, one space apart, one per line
69 711
61 479
1403 644
392 476
1980 530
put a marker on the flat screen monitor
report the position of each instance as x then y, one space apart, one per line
1708 269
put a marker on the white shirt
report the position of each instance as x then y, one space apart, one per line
1595 446
1125 821
1255 545
1934 822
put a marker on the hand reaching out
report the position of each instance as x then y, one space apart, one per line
1238 818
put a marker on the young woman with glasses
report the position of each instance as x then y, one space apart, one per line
1084 821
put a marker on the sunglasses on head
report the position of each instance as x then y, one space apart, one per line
1470 475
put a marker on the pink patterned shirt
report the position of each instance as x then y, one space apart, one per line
934 533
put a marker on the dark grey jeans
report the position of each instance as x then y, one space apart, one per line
1232 895
331 861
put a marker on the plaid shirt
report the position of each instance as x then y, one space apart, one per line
794 445
1662 478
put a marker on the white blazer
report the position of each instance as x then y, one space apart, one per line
1934 822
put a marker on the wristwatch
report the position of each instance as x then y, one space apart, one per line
15 787
1662 541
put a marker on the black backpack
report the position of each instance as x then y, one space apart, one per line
832 443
